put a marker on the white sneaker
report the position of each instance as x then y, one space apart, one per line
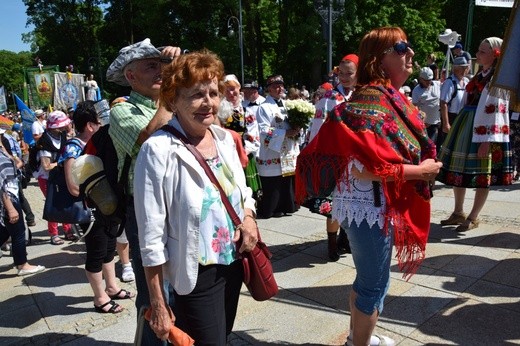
37 269
375 340
128 274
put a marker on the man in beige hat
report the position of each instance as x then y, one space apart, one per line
131 123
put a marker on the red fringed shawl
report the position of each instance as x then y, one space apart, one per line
383 130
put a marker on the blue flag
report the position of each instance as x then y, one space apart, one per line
28 118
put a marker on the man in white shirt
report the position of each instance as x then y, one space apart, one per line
425 96
276 159
38 126
453 96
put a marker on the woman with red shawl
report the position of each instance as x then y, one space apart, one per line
377 150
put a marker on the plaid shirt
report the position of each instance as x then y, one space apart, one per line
127 120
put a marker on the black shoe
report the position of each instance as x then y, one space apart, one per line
278 214
343 243
31 223
333 256
332 247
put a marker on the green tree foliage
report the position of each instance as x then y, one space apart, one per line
11 70
280 36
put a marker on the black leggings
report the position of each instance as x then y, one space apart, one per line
100 247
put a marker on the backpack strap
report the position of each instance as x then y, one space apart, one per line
123 178
455 91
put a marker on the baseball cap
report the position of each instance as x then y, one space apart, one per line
426 73
16 127
457 46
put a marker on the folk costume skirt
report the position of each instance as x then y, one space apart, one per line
253 178
461 165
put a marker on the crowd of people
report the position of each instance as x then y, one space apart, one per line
386 146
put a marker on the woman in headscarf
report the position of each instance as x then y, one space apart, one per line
476 153
347 76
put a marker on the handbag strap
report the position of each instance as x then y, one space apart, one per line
232 213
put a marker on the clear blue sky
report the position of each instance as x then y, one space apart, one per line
12 25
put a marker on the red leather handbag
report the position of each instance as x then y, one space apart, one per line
258 270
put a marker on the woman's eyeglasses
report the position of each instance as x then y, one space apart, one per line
401 48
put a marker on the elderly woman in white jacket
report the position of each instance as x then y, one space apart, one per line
185 232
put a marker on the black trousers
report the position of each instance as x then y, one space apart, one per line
207 314
277 196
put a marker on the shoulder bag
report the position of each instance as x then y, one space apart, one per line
258 270
60 205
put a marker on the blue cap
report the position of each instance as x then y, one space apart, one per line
458 46
16 127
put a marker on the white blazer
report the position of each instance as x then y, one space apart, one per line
168 186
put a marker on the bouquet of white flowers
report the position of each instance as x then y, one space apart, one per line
299 113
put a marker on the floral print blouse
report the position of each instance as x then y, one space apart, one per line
216 227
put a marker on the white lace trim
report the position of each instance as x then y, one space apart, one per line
354 200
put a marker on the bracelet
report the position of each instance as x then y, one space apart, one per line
250 216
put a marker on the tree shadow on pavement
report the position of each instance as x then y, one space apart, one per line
57 339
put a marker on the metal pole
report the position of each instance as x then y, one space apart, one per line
469 26
329 44
241 39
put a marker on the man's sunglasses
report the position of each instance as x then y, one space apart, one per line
401 48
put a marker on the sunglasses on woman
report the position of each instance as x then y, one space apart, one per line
401 48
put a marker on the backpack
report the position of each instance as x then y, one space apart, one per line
101 145
455 91
44 143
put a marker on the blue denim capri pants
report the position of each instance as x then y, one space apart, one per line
371 252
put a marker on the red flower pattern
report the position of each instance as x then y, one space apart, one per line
480 130
483 180
490 108
497 156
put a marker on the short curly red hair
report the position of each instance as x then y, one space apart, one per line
187 70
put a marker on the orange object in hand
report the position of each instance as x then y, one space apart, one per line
176 336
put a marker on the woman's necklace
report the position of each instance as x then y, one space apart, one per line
206 146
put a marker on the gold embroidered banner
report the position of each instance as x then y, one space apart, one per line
40 85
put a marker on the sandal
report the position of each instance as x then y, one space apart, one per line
56 240
454 219
467 225
126 295
114 308
71 236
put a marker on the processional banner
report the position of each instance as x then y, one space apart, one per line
69 90
3 101
40 84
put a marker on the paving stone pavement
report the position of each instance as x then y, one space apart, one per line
467 291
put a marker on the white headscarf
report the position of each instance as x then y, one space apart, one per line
494 42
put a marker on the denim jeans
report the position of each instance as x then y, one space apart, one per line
143 296
371 252
17 233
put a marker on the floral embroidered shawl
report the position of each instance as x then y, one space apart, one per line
371 129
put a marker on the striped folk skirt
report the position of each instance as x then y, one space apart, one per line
461 165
